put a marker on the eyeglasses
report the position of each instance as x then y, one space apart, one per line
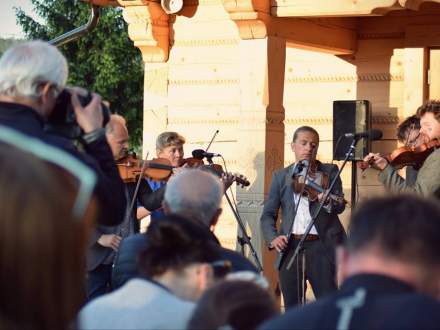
84 175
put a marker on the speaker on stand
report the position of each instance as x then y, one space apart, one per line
353 116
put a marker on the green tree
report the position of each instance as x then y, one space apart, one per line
6 43
104 60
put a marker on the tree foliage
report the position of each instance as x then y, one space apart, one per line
104 60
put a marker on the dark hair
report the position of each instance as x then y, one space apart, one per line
243 305
304 129
404 128
405 227
173 243
42 245
432 106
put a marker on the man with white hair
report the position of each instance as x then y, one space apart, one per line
32 76
193 194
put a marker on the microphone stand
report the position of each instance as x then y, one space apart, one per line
244 239
349 154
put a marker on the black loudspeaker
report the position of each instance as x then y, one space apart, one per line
350 117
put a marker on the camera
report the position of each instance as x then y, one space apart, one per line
62 120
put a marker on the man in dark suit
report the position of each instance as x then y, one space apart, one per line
316 262
105 240
390 254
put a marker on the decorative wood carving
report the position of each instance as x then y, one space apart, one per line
365 77
203 82
148 28
206 43
381 35
309 8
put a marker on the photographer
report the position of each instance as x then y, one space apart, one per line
32 76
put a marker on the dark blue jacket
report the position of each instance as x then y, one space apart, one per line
109 190
365 301
126 262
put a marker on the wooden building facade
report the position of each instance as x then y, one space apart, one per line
258 69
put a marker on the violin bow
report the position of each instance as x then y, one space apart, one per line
138 183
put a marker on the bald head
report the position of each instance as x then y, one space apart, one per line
194 194
117 136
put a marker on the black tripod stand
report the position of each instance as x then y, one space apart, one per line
242 239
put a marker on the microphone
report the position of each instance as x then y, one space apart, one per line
374 134
200 154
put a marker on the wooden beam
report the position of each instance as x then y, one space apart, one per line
415 4
422 36
340 34
313 8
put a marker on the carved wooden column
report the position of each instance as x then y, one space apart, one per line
149 29
414 83
261 137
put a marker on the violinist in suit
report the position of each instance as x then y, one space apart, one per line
428 177
105 240
316 262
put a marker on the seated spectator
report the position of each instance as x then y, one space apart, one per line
241 305
193 194
390 261
177 267
43 236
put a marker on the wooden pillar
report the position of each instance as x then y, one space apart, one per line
414 84
261 135
149 29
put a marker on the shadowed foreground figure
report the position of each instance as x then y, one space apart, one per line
42 242
241 305
177 265
389 267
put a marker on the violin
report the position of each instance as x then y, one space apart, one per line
130 168
160 169
407 156
315 183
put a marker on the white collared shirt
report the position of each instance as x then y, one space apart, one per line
303 216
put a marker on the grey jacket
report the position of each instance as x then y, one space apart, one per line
426 184
328 226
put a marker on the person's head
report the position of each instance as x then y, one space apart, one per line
305 143
241 305
117 136
395 236
178 255
194 194
429 115
408 132
33 73
42 244
169 145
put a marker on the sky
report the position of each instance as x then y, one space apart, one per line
8 26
